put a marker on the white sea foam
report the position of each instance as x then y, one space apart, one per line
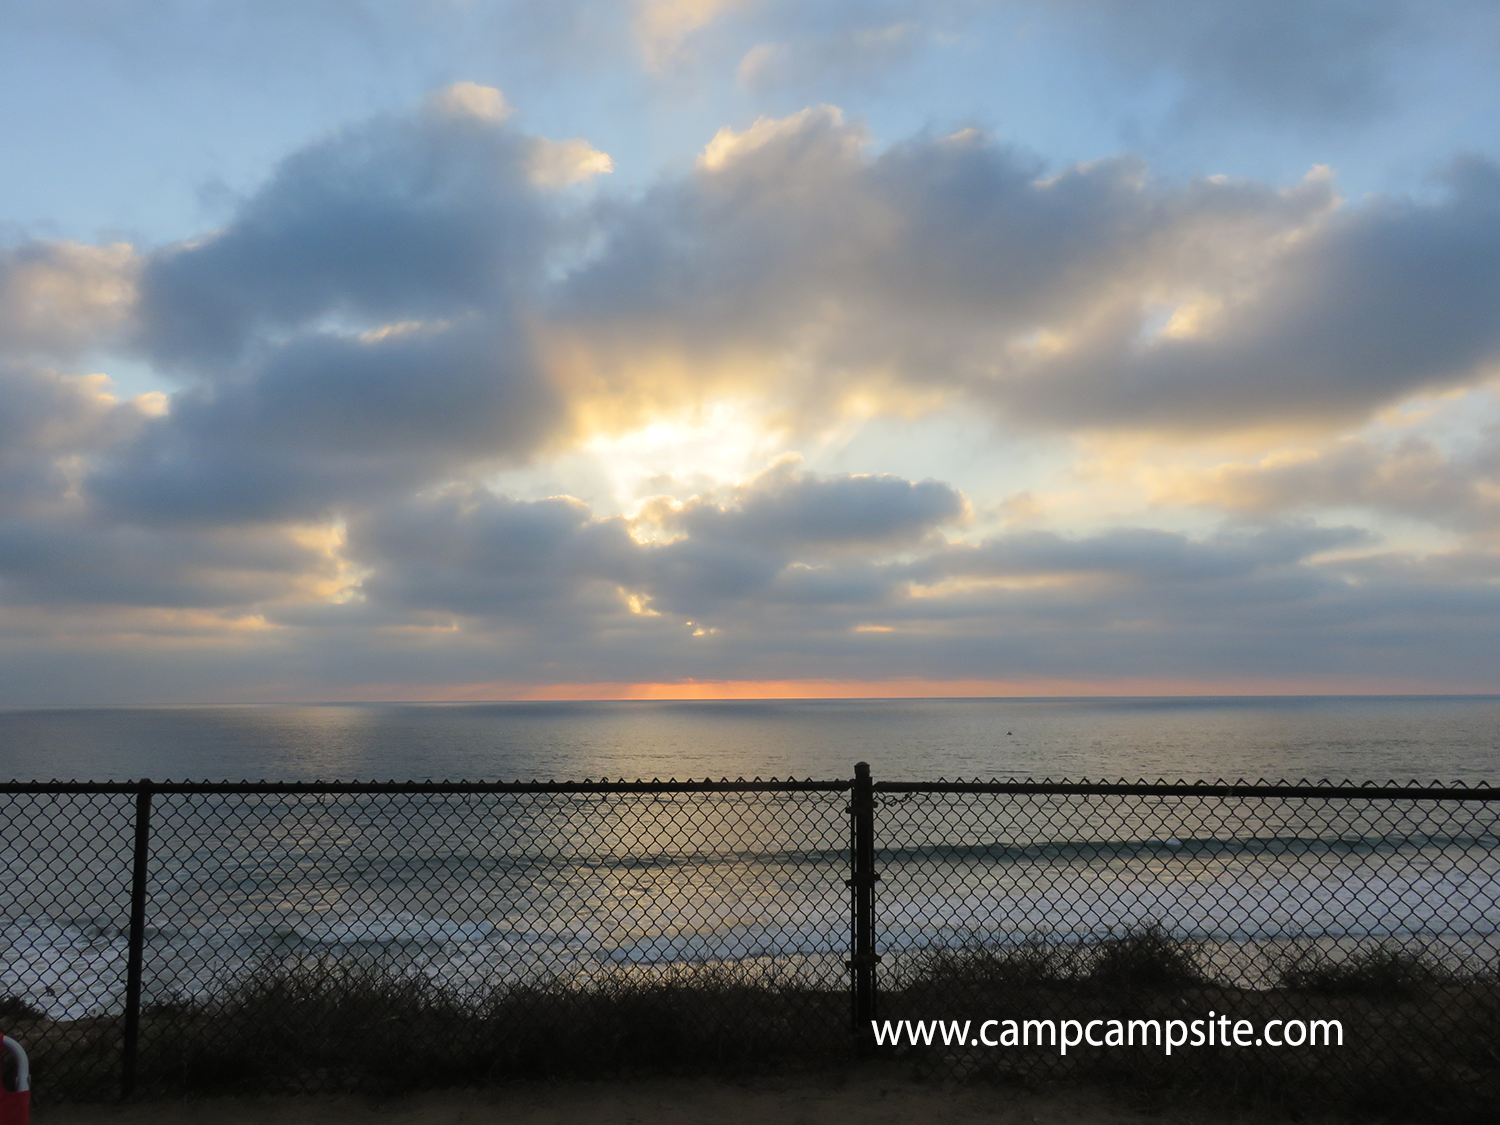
704 910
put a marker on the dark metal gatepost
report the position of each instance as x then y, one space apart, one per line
137 937
861 883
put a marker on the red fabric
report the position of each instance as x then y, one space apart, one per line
15 1107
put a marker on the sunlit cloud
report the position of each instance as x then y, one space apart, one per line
662 27
558 164
470 99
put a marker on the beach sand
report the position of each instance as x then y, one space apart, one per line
865 1098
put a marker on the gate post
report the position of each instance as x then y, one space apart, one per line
861 883
137 937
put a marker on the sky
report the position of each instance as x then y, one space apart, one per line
472 349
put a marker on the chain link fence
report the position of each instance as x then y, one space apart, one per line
1301 945
299 937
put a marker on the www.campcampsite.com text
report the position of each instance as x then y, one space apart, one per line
1214 1030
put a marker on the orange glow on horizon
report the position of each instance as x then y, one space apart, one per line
902 689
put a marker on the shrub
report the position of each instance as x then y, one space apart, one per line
1147 959
1385 972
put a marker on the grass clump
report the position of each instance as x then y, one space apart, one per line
369 1028
1384 972
1418 1040
1146 958
14 1010
1028 964
1149 958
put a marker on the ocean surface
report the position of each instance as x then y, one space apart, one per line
1358 738
475 891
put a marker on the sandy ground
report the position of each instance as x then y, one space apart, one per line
867 1098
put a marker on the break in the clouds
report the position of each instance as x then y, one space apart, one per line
451 402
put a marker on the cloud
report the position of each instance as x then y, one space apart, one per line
562 593
1371 306
467 550
329 421
848 57
74 562
558 164
46 420
1288 61
428 216
787 509
1413 477
60 298
60 551
1135 555
662 27
388 312
1094 297
412 304
360 325
470 99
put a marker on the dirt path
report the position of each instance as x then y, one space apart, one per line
864 1099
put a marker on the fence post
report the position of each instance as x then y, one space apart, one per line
137 937
861 883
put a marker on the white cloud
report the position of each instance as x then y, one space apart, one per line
663 26
470 99
559 164
62 297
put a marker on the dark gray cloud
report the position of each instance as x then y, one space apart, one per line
471 553
76 561
467 551
365 322
328 420
357 328
60 551
401 219
785 509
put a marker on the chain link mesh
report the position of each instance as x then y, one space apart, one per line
306 937
65 870
1380 913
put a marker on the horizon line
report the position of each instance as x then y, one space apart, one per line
808 691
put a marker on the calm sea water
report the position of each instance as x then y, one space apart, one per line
477 890
1364 738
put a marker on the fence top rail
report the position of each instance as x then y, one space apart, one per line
1412 791
739 785
1348 790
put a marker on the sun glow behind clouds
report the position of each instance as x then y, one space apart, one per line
718 445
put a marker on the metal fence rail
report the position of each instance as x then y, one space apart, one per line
331 936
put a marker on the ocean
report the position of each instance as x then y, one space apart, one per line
1449 738
472 892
